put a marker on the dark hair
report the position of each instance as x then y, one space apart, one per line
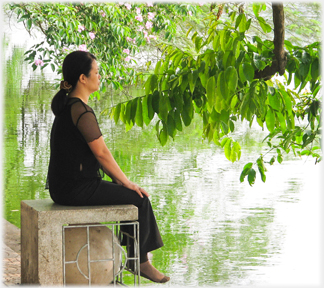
74 64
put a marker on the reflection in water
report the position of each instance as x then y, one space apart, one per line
216 230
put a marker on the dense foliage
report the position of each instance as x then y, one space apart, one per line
211 70
112 32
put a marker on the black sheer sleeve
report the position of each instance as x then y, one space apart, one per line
85 120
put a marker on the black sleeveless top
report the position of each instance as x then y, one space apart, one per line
73 169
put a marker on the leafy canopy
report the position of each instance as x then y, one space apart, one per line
209 61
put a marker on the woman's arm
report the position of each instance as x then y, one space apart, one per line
110 166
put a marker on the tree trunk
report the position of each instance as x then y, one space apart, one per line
280 60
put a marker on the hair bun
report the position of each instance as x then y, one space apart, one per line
66 86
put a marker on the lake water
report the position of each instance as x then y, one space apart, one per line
217 231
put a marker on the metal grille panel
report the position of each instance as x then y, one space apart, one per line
121 262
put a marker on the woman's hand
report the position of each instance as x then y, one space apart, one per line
140 191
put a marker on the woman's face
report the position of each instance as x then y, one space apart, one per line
93 81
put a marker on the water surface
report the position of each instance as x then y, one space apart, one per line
217 231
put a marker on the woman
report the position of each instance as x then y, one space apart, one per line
78 151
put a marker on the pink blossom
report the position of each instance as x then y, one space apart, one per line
121 3
139 18
83 47
39 62
126 51
103 14
81 28
148 39
190 13
152 36
145 33
140 28
129 39
128 58
138 11
149 4
128 6
92 35
148 25
150 15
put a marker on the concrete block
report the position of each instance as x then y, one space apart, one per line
41 235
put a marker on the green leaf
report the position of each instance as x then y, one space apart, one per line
265 26
241 22
139 113
235 152
147 85
279 156
231 125
251 176
178 99
211 91
224 141
122 113
117 112
157 68
248 71
128 112
177 120
261 168
248 24
146 119
270 120
192 77
163 137
133 109
245 171
171 126
238 20
282 121
157 128
287 101
198 41
156 101
256 9
29 23
231 78
203 79
154 82
163 108
187 112
216 43
228 148
304 69
148 112
221 83
274 101
222 39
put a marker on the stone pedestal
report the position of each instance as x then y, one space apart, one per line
41 235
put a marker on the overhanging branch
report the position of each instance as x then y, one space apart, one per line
280 59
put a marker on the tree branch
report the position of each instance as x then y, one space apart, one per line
280 60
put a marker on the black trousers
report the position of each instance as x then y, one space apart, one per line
109 193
